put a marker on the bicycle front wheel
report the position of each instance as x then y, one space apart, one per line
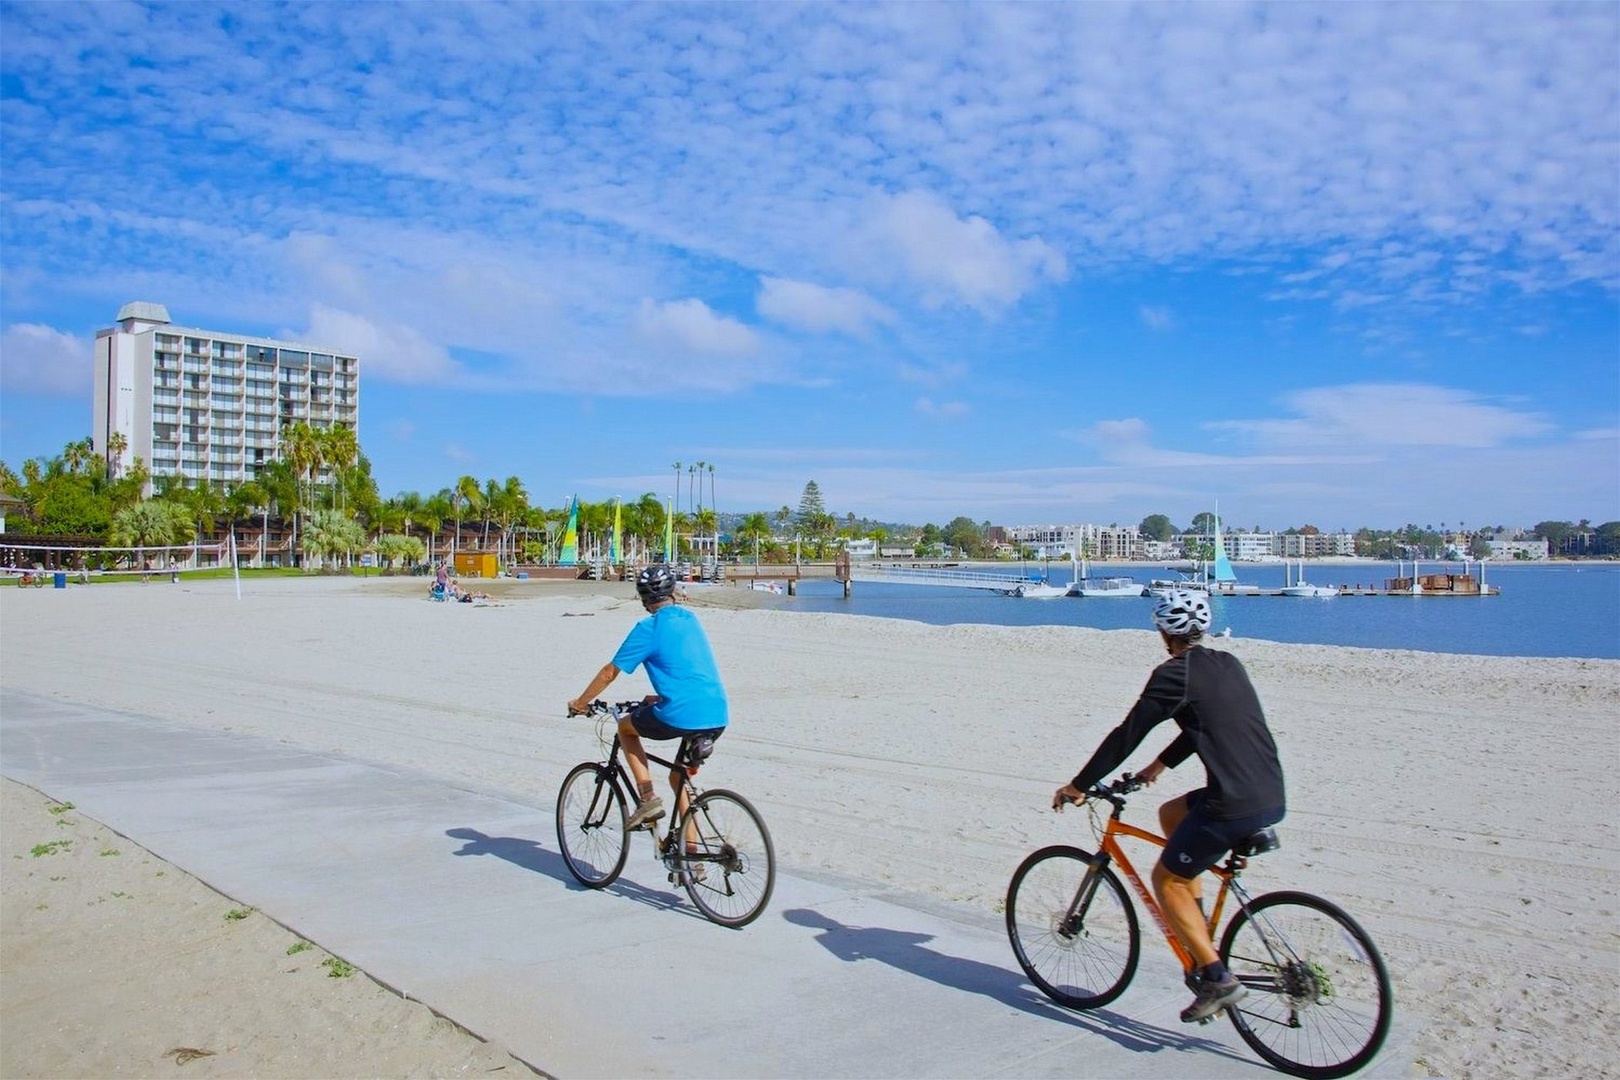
590 825
1072 927
1319 1001
730 865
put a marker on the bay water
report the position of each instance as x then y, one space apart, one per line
1544 609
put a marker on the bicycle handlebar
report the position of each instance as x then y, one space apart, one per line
599 706
1116 792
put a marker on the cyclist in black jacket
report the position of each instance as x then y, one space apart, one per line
1209 696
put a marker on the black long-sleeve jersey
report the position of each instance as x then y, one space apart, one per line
1208 694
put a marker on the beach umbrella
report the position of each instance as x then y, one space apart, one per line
669 532
618 523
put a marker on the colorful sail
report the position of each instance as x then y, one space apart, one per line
669 531
1223 565
618 523
569 555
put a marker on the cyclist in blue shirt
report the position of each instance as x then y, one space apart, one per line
688 698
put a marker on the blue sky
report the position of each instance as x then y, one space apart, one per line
1344 264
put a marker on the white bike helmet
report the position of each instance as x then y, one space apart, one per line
1182 613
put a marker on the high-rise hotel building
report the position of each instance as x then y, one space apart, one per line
205 405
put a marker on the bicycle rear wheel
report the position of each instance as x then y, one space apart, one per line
590 825
1072 927
1319 1001
731 871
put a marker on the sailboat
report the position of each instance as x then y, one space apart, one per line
1304 588
569 553
1221 578
1036 589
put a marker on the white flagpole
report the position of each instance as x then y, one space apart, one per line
236 571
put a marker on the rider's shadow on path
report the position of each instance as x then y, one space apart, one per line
529 855
903 950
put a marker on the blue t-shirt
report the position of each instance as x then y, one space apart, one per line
681 667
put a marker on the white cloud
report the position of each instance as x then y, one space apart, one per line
1392 414
955 260
943 410
37 359
692 326
817 308
393 353
1157 318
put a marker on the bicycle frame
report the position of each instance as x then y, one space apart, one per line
1111 851
686 792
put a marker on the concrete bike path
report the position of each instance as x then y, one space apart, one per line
457 898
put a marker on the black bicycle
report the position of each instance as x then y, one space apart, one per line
716 845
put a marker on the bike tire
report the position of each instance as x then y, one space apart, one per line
1080 950
735 854
590 825
1319 1002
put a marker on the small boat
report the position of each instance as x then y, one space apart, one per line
768 586
1107 586
1086 585
1037 590
1161 586
1303 587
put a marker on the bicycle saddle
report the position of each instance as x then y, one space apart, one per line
697 749
1258 844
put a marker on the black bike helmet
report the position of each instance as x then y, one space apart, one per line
655 583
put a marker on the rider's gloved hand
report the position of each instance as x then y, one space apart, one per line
1065 795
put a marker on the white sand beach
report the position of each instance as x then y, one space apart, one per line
1465 809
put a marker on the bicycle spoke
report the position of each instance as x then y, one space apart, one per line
590 826
1320 999
725 837
1072 929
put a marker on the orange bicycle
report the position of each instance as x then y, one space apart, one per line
1319 1001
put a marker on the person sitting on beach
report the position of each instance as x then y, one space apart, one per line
1210 697
689 698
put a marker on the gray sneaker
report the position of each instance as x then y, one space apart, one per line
646 814
1212 997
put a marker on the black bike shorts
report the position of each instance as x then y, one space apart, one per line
1200 842
648 726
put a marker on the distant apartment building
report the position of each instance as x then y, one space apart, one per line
207 405
1102 542
1257 546
1523 548
1315 545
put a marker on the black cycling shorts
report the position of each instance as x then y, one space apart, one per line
648 726
1200 842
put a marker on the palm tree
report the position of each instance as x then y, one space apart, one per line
300 447
465 497
340 447
438 509
513 506
152 523
116 445
489 500
755 527
332 534
243 500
